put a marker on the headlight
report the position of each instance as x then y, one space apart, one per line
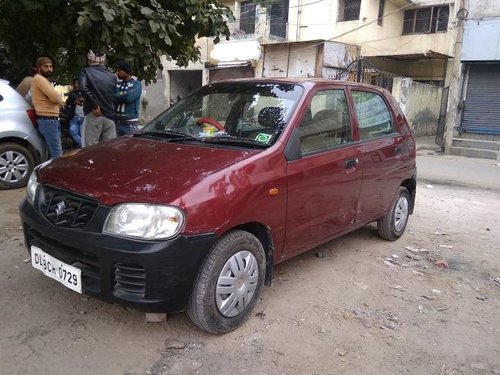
145 221
31 187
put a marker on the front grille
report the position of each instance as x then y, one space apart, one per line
130 278
67 210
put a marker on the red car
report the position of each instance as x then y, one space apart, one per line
193 211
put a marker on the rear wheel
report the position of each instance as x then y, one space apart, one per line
228 284
393 224
16 164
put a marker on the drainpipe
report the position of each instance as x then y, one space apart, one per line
288 60
299 12
359 70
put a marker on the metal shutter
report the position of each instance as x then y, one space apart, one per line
482 104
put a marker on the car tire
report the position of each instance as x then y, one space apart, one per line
16 165
392 225
228 284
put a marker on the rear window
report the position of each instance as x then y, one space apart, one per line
374 117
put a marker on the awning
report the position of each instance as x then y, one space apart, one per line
235 51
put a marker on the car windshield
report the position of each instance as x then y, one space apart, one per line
237 114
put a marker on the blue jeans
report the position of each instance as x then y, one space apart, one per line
75 126
51 131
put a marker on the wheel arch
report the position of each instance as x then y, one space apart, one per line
411 185
23 142
264 236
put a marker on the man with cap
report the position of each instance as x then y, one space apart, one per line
47 103
127 99
98 86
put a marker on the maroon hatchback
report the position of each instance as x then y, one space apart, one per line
193 211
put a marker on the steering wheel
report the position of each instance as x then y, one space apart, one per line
210 121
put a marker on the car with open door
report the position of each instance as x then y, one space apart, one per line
193 211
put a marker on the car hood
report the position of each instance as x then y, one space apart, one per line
129 169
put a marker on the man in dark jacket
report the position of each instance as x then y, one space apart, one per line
98 86
127 99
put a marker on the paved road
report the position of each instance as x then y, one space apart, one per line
435 168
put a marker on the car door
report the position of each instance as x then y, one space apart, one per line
381 146
323 185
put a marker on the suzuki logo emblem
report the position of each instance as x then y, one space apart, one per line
60 208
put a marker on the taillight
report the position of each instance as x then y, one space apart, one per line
32 116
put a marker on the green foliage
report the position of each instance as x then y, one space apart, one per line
139 31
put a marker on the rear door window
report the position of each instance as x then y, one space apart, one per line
374 117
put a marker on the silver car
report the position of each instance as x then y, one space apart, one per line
21 145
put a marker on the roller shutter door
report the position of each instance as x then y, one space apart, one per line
482 102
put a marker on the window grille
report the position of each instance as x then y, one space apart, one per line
428 20
349 10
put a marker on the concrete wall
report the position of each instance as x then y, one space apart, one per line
483 8
154 100
420 102
336 57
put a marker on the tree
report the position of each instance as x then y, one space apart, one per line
139 31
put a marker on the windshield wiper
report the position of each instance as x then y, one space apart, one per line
236 141
170 134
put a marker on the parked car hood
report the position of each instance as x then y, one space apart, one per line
130 169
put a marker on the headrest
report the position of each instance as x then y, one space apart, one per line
271 116
327 114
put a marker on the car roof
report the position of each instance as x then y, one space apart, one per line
304 81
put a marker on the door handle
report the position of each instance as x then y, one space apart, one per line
397 150
351 163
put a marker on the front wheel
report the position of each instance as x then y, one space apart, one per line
228 284
16 164
392 225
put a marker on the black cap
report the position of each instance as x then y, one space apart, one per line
125 66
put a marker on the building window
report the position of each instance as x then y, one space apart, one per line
380 16
247 17
426 20
278 14
349 10
279 18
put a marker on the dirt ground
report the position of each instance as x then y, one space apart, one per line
368 307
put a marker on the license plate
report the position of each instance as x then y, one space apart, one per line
67 275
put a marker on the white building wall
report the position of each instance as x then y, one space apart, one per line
318 20
309 20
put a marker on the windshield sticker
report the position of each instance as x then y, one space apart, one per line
263 137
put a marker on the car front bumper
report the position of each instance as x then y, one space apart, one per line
151 276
